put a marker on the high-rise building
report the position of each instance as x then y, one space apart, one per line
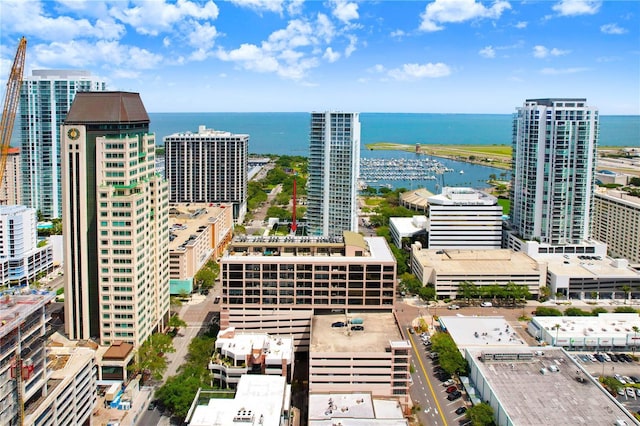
45 98
334 163
208 167
115 221
554 160
11 185
616 222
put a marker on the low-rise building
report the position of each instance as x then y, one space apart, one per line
414 228
485 331
259 400
197 233
358 408
237 354
275 284
446 269
536 387
606 332
359 352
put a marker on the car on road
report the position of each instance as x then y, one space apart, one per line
454 395
357 328
152 406
454 307
338 324
452 388
411 330
486 304
216 299
461 410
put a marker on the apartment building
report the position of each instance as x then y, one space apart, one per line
371 356
116 226
616 222
197 234
334 162
275 284
446 269
209 166
22 257
237 354
554 160
11 185
24 372
45 99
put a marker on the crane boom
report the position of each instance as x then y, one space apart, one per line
12 96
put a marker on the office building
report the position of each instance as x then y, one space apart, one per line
208 167
276 284
22 257
616 222
45 99
11 185
115 221
334 161
24 374
554 159
446 269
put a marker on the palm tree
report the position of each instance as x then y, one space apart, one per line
635 329
627 291
557 327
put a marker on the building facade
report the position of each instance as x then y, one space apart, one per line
209 166
275 284
22 257
11 185
334 161
554 159
115 221
616 222
45 99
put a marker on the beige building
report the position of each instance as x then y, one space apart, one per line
370 356
446 269
11 185
115 221
275 284
616 222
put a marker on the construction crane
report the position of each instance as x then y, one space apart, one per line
11 99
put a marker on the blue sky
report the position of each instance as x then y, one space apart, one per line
442 56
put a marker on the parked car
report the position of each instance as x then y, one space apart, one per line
338 324
461 410
411 331
452 388
449 383
621 392
454 395
486 304
638 391
631 392
357 328
635 379
152 405
613 357
216 299
454 307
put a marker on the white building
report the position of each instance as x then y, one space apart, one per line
554 159
209 166
354 409
334 161
464 218
616 222
115 221
45 99
237 354
259 400
22 257
407 227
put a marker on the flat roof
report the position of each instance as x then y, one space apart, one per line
592 266
457 196
186 221
274 347
490 331
481 262
379 330
605 325
15 308
407 225
555 398
353 409
257 397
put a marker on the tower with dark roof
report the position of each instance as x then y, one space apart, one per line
115 211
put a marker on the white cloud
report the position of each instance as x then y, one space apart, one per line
418 71
612 29
251 57
330 55
397 34
456 11
577 7
543 52
377 68
487 52
166 42
203 36
153 17
558 71
345 11
521 25
260 5
353 40
324 28
298 33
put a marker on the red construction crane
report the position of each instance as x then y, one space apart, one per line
11 98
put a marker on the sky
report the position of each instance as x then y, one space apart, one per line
442 56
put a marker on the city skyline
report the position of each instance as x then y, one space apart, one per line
258 55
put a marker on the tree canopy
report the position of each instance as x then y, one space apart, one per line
481 415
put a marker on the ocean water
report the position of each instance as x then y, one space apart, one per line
288 134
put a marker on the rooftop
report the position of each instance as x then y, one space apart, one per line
380 329
469 331
204 132
418 197
409 225
15 308
455 196
242 344
587 266
187 221
353 409
554 398
605 325
107 107
480 262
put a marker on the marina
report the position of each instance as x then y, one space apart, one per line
373 170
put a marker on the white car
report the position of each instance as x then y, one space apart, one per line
631 392
454 307
486 304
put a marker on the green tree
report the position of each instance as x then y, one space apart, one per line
150 358
576 312
627 291
543 311
480 415
545 292
205 277
176 322
427 293
625 310
468 290
451 360
635 181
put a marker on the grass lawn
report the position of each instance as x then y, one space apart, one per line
372 201
506 205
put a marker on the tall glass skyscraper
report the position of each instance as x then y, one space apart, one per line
334 164
45 99
554 161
